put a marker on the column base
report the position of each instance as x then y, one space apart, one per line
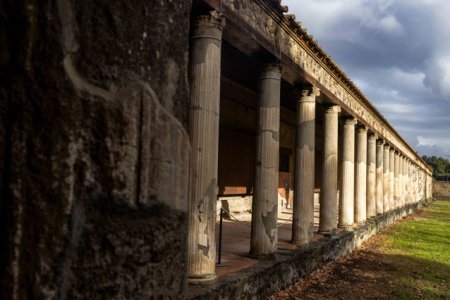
270 256
202 279
327 232
300 244
346 227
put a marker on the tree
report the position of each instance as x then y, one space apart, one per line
440 165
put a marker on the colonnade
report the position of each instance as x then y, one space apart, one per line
375 176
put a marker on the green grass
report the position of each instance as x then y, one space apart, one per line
419 250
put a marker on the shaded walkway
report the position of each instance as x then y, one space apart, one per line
236 239
410 260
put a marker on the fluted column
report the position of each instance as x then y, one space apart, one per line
396 180
361 175
408 180
391 178
416 184
413 183
303 212
328 189
204 132
347 193
264 232
429 186
386 178
380 177
401 196
410 186
371 187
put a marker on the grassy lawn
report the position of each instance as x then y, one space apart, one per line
419 249
409 260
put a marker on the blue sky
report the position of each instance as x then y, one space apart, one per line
398 53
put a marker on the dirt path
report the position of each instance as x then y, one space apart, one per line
410 260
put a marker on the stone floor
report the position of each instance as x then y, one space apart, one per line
236 240
240 277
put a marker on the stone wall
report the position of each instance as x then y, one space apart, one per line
267 277
441 190
93 149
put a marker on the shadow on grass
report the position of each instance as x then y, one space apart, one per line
373 275
410 260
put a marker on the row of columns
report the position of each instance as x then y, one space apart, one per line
375 178
381 177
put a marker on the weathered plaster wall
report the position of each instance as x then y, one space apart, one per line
441 190
93 148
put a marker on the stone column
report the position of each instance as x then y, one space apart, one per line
400 181
380 178
204 133
391 178
347 192
405 181
361 175
408 182
396 180
328 189
416 183
264 233
303 212
371 196
430 186
386 178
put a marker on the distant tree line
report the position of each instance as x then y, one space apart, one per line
441 166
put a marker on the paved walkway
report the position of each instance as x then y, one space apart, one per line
236 240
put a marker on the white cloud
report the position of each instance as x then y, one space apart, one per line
398 53
390 25
438 75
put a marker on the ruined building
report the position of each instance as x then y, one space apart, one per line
125 124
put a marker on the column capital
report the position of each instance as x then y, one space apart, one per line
350 121
373 137
387 146
309 94
380 142
333 109
362 128
271 70
212 19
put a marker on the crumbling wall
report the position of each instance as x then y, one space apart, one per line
441 190
93 148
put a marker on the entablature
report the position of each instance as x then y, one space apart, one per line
280 34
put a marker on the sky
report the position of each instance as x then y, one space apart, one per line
398 53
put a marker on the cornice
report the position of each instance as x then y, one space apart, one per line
300 34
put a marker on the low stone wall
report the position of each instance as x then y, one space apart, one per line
237 205
268 277
241 206
441 190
